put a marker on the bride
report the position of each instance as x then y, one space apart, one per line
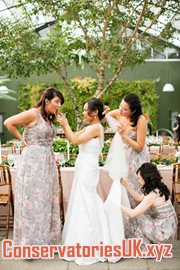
85 221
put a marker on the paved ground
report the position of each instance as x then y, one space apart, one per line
123 264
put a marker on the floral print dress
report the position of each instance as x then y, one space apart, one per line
134 160
37 214
156 225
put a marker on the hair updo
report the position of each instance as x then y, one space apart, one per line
96 104
135 106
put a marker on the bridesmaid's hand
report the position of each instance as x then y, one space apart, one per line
106 110
23 142
120 129
124 182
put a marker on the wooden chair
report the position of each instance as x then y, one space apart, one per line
166 139
4 158
155 156
6 199
171 156
176 192
155 152
167 149
61 195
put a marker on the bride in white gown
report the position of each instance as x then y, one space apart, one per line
86 221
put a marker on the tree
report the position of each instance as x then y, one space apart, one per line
107 31
23 53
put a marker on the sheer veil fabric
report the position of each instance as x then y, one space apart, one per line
117 168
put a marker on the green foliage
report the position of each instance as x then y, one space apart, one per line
106 146
69 163
85 88
101 162
102 29
59 146
24 53
145 89
73 149
4 80
165 161
7 93
29 94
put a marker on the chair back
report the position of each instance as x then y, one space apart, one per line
175 179
6 200
5 175
61 195
176 173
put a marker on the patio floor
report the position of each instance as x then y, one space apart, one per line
123 264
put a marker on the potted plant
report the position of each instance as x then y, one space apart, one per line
74 151
105 149
60 150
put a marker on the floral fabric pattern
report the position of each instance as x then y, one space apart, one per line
37 214
157 225
134 160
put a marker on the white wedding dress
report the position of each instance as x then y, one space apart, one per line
85 221
89 221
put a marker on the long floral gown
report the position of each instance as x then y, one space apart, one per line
134 160
37 214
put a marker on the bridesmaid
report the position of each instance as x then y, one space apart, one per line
154 219
37 214
133 129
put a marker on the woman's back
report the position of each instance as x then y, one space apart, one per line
91 147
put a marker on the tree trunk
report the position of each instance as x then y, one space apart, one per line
72 97
75 103
101 80
100 93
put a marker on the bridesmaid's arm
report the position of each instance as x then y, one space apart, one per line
137 197
24 118
141 208
115 114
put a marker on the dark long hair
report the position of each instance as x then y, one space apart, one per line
135 106
96 104
152 179
49 94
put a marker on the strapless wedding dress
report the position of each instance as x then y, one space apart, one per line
85 221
